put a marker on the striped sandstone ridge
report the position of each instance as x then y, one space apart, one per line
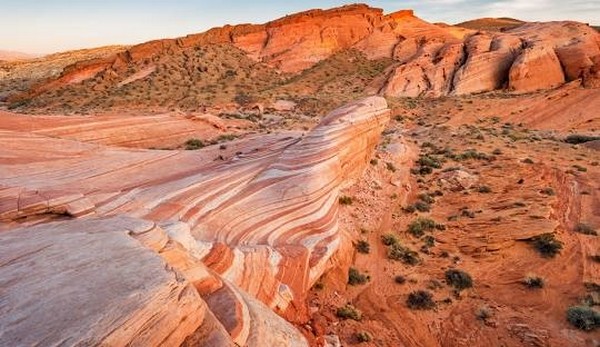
429 60
250 233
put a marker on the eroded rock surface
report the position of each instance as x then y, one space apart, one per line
241 236
429 60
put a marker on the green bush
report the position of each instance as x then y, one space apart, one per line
390 167
349 312
419 226
389 239
403 254
428 161
420 300
458 279
193 144
547 245
427 198
422 206
356 278
583 317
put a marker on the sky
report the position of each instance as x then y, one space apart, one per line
47 26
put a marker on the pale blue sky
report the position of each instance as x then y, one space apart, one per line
44 26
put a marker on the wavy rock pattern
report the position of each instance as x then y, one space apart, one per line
250 233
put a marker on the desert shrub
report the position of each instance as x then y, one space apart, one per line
363 246
419 226
497 151
458 279
400 279
484 189
533 281
319 286
374 161
356 278
429 240
576 139
389 239
429 161
226 137
422 206
345 200
470 154
483 313
427 198
243 99
580 168
585 229
349 312
547 245
193 144
420 300
467 213
528 161
363 336
390 167
421 170
595 257
583 317
548 191
403 254
409 209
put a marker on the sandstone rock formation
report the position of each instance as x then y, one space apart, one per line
217 244
429 60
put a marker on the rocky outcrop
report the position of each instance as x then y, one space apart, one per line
430 60
87 282
242 237
536 68
530 57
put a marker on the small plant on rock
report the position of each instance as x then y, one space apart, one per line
586 229
400 279
345 200
403 254
419 226
533 281
583 317
193 144
363 336
349 312
363 246
458 279
420 300
389 239
356 278
547 245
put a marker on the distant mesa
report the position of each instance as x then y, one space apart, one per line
16 56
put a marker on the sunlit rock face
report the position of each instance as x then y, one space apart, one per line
429 60
208 249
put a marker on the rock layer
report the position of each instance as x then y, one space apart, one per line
249 233
430 60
